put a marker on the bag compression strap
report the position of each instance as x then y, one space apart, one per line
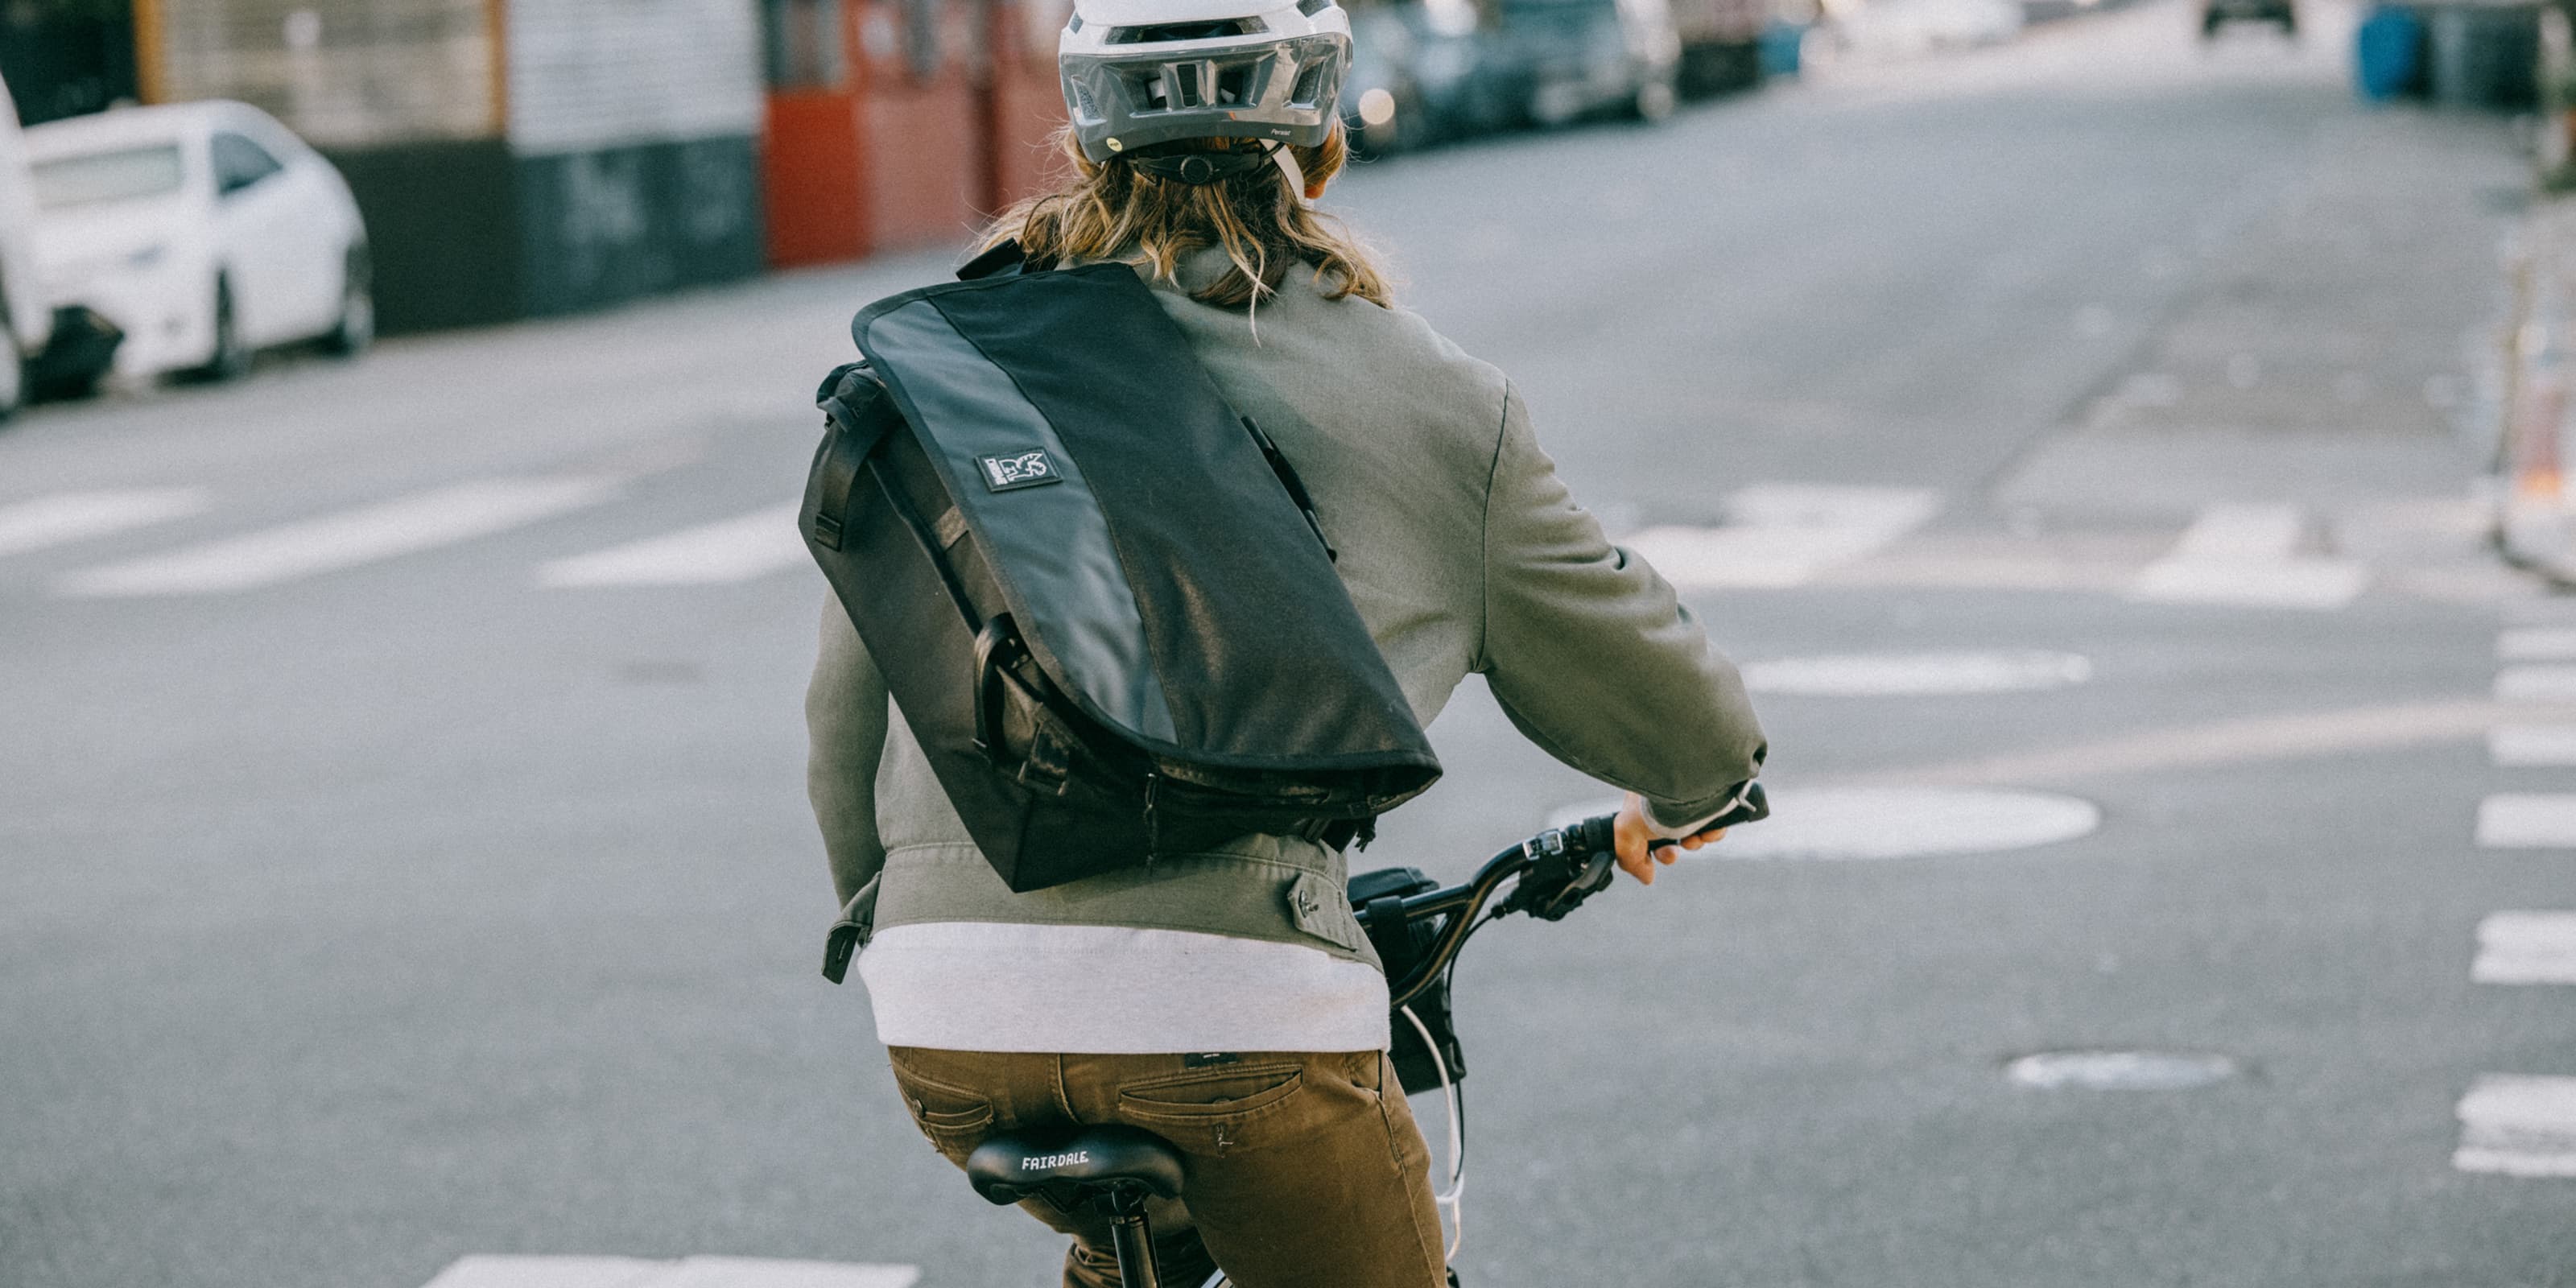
1296 486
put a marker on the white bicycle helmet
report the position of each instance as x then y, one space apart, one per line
1142 78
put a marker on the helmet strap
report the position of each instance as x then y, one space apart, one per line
1287 159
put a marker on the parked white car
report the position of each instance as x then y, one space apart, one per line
26 316
205 231
1897 29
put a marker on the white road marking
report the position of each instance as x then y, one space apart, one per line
2532 744
2516 1126
738 549
691 1272
1891 674
2121 1070
1779 535
2300 735
2536 684
2537 644
1891 822
78 516
2526 948
2527 821
2248 555
2243 533
345 540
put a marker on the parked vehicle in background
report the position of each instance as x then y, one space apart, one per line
1382 102
205 231
1882 30
26 316
1721 44
2217 13
1424 71
1579 58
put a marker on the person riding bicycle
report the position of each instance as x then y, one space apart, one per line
1225 1001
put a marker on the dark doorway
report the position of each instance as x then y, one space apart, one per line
66 57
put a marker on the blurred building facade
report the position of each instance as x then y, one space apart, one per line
520 158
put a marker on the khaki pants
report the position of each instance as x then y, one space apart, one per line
1304 1170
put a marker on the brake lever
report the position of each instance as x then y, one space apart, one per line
1567 866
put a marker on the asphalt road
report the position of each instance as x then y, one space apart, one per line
462 899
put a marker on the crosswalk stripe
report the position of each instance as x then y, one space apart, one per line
737 549
404 526
1780 535
2532 744
485 1271
2537 644
2526 948
2248 555
78 516
2518 1126
2536 684
2527 821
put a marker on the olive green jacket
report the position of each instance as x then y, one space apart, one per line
1464 554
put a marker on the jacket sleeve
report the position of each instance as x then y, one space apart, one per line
846 712
1594 657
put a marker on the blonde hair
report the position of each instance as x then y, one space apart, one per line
1113 211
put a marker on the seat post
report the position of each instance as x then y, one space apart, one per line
1132 1238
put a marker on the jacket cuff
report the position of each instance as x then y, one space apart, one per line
1697 814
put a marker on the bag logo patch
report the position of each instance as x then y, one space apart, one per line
1028 469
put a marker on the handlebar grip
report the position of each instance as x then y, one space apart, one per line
1751 807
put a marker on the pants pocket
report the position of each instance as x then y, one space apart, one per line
955 1119
1218 1111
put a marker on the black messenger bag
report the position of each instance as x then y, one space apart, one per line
1099 595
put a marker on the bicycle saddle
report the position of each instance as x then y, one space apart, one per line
1073 1165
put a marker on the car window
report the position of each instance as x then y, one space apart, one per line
127 174
239 163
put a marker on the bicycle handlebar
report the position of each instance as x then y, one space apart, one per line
1557 870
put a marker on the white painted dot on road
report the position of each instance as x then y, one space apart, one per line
2114 1070
2527 821
484 1271
2526 948
2518 1126
77 516
2537 644
2525 745
737 549
1845 823
1913 674
2536 684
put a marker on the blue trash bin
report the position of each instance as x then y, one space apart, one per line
2388 53
1778 47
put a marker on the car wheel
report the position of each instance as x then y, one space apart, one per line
357 326
1654 100
231 356
13 370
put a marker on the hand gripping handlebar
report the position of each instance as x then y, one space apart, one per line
1552 873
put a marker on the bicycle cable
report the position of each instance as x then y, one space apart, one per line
1452 1094
1457 1142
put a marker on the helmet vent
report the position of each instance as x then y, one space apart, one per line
1234 84
1310 85
1185 31
1312 7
